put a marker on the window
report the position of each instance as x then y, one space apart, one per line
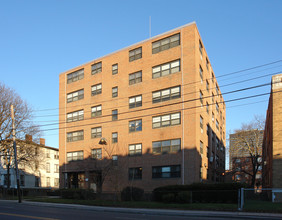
96 89
217 89
217 125
135 54
73 156
115 92
217 107
135 77
114 115
207 63
74 96
201 98
173 171
208 129
166 43
213 77
201 148
96 111
135 125
201 74
75 136
56 155
96 153
96 132
166 120
48 167
6 179
166 69
75 116
47 153
37 181
75 76
207 86
22 180
201 123
48 182
207 106
96 68
212 97
56 168
201 48
115 160
166 94
167 146
56 182
135 149
114 137
115 69
135 101
135 173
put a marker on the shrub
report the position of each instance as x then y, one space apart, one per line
183 197
83 194
168 198
132 194
200 192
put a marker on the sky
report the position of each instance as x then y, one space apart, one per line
40 39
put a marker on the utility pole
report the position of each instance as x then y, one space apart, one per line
15 153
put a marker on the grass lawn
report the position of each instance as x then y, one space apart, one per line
150 205
250 206
262 206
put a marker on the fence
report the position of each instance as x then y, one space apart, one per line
25 192
250 197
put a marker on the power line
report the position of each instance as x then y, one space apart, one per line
190 83
198 112
158 114
170 104
189 93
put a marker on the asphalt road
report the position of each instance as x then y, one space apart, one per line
11 210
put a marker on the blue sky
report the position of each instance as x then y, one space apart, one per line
39 39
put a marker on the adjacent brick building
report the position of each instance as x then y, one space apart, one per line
272 142
159 107
245 156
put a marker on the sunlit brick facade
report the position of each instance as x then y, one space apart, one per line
272 142
159 107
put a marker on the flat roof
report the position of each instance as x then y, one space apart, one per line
175 29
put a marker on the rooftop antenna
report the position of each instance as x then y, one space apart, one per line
150 26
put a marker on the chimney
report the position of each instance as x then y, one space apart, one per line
42 141
28 138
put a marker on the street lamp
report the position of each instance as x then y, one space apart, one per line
103 141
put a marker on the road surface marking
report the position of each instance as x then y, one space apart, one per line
27 216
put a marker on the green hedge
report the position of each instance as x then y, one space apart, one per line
82 194
132 194
198 192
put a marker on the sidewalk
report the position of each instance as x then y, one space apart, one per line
159 211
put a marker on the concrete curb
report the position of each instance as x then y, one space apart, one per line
248 215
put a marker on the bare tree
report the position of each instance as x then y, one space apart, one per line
246 148
23 126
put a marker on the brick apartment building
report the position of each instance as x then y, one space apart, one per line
272 142
241 157
242 167
158 106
